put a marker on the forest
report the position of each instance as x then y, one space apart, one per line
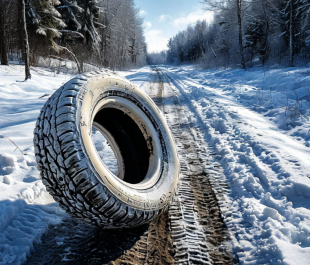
243 34
105 33
110 33
114 153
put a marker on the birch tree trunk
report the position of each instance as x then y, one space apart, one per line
240 34
25 40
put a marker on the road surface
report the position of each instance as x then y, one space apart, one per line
191 232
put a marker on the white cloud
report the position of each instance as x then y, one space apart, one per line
162 18
156 41
191 18
147 24
142 12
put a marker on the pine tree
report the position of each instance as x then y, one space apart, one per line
44 18
72 15
256 35
89 20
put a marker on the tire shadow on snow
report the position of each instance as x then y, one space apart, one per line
75 242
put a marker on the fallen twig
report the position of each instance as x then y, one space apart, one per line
1 136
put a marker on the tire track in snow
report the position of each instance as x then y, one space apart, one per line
264 214
198 231
195 222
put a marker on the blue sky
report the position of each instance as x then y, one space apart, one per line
165 18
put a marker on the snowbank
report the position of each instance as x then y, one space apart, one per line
26 208
265 156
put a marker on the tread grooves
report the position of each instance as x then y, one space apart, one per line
64 166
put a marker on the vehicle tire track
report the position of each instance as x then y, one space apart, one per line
191 232
198 230
154 247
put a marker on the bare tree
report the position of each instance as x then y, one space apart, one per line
25 40
239 11
123 43
238 7
100 32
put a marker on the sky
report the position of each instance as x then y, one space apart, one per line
165 18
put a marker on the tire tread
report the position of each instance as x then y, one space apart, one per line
59 158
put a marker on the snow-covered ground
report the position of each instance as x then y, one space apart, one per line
26 208
260 132
264 152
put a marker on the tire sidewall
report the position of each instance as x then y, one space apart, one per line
104 85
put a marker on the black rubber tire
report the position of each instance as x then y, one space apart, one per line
68 172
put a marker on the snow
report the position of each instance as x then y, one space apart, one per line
265 155
257 122
26 208
104 151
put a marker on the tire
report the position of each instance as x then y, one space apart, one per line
69 164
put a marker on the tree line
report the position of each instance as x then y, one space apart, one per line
107 33
154 58
245 33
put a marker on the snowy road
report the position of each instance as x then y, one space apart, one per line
198 231
244 190
192 232
266 169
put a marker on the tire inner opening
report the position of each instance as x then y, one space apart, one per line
130 142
